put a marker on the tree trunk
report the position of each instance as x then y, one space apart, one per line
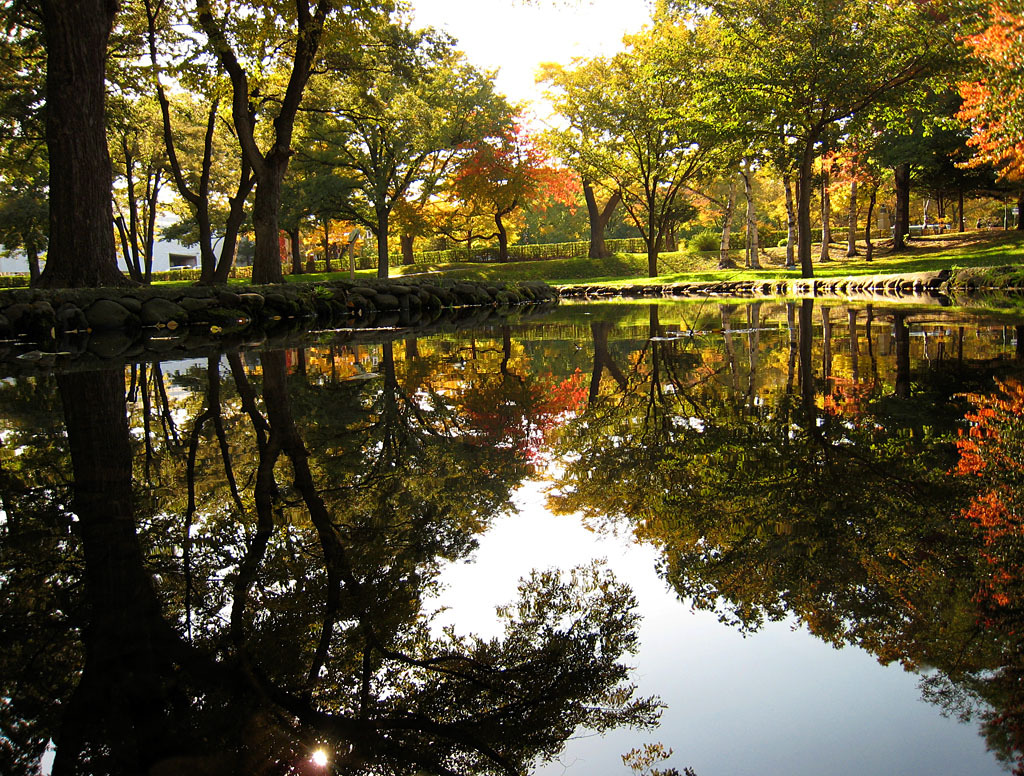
803 209
868 246
266 264
851 239
296 241
753 241
236 215
597 247
32 254
1020 210
787 182
383 217
826 214
407 255
962 226
81 241
502 237
724 262
901 228
326 242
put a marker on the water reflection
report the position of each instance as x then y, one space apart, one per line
229 567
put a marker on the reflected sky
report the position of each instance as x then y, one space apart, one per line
776 703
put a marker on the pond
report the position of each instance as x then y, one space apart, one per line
766 537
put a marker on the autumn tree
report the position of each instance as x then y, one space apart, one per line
800 69
393 130
505 172
991 101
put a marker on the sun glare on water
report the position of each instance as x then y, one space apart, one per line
319 758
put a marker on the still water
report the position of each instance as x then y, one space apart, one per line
739 539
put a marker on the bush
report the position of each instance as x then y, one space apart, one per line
704 241
783 243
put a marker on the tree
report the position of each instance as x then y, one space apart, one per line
24 173
140 160
195 135
991 106
393 132
260 51
802 69
507 171
81 235
638 119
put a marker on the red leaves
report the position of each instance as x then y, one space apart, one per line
994 104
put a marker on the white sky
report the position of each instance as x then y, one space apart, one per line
514 38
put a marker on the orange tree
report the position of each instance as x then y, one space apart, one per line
994 100
506 172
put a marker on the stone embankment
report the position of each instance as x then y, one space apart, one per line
111 322
921 287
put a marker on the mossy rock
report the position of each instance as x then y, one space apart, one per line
108 315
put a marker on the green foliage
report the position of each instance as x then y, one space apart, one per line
703 241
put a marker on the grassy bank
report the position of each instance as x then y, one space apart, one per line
973 249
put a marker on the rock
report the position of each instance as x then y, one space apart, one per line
253 303
108 315
107 344
158 310
70 318
192 304
387 302
228 299
130 303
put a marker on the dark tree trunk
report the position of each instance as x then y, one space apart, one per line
1020 210
502 236
33 262
382 243
236 215
652 255
266 264
869 248
326 223
599 218
81 242
851 237
962 226
787 182
803 211
826 214
406 241
901 228
296 241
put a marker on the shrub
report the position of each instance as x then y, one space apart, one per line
704 241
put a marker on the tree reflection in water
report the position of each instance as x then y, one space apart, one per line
235 576
831 501
264 602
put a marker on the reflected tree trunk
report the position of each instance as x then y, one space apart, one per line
726 311
854 345
120 698
806 350
753 346
599 331
826 346
793 345
902 337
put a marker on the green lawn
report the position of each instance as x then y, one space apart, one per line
974 249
